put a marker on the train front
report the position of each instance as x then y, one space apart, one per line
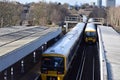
52 67
90 34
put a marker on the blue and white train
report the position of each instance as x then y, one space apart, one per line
91 20
56 60
90 34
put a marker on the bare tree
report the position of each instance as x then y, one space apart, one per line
114 17
98 12
9 13
44 13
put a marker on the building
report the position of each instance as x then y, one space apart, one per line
110 3
92 3
99 3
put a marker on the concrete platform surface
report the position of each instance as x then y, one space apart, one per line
111 43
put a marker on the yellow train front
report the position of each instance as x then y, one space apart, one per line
53 67
90 34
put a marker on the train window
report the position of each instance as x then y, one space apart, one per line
58 62
52 62
91 34
47 61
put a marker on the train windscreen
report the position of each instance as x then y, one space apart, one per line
51 63
90 34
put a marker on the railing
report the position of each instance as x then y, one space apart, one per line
73 19
76 19
99 21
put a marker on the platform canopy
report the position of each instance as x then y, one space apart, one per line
18 41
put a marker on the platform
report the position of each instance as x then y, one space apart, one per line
111 43
18 41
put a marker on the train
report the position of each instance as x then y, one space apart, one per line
90 20
90 33
56 59
84 18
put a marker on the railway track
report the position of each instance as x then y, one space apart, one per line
73 71
88 68
85 64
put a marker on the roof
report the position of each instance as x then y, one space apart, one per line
64 45
90 27
91 20
84 18
18 42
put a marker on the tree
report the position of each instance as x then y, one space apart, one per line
45 13
9 13
98 12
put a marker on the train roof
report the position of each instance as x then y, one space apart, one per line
84 18
64 45
91 20
90 27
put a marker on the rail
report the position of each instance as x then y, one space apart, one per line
37 77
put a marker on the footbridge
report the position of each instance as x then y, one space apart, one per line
99 21
74 19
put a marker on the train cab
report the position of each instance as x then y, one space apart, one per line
90 34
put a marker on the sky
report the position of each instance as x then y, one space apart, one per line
72 2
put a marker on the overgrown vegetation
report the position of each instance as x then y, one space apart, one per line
9 13
113 17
